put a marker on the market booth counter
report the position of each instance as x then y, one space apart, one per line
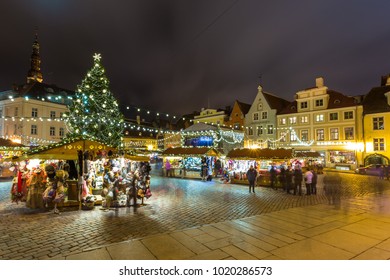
238 162
78 151
187 162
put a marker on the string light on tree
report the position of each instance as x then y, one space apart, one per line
94 100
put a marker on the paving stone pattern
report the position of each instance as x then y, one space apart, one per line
175 204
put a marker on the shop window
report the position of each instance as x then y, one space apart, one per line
379 144
378 123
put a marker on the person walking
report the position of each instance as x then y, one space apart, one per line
272 173
251 175
308 180
298 176
332 187
168 168
314 182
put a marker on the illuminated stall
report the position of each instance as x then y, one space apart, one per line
9 150
238 161
187 162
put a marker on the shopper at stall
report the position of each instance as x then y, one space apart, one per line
251 175
272 173
314 182
204 171
308 181
168 171
298 176
289 179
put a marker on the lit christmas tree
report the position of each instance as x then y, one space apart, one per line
94 111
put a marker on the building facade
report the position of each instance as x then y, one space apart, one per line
31 114
236 119
376 120
260 121
324 121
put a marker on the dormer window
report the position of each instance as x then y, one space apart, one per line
319 102
337 101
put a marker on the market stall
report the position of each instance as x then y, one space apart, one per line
9 150
91 167
309 159
188 162
238 161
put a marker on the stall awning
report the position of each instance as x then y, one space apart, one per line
307 154
260 154
190 152
67 150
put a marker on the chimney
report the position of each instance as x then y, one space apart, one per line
319 82
385 80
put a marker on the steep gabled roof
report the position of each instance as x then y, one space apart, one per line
339 100
375 101
275 102
290 108
244 107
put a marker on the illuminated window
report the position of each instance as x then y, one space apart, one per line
379 144
282 137
52 131
320 135
333 116
320 118
293 120
348 115
34 129
282 121
293 137
319 102
259 130
334 134
378 123
304 135
304 119
349 134
270 129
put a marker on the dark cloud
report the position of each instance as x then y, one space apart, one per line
179 56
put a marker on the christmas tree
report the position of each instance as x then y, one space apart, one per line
94 111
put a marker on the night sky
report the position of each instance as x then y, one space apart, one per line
180 56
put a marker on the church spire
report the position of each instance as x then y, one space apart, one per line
35 74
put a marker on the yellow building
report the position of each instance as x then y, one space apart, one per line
376 109
324 121
211 116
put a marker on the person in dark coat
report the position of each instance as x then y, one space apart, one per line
289 179
298 177
272 174
251 175
314 182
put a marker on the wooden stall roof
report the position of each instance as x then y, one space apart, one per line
7 143
260 153
66 150
307 154
204 151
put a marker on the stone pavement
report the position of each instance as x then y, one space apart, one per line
190 212
357 230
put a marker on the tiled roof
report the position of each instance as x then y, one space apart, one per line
243 107
290 108
376 101
339 100
275 102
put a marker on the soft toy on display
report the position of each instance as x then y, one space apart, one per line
55 190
